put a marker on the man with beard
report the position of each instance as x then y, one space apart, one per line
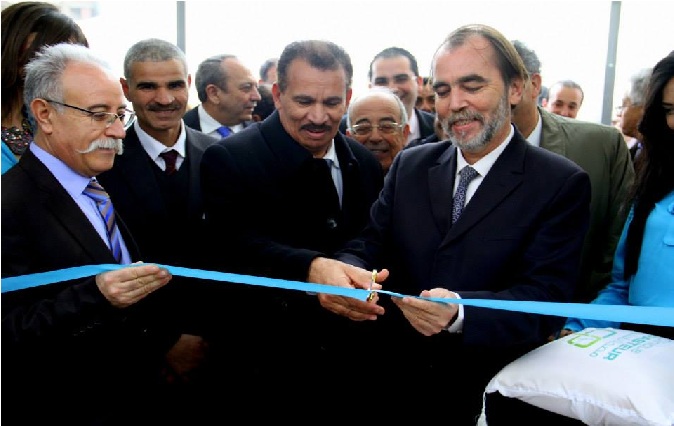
94 335
155 186
514 233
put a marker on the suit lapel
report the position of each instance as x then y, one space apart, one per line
195 145
440 188
133 167
351 188
505 176
552 137
65 210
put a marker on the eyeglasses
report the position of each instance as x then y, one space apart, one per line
108 118
387 128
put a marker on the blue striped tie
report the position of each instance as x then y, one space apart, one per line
96 192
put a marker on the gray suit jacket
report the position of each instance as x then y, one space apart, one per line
601 151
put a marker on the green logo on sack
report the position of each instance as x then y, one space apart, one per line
607 344
589 337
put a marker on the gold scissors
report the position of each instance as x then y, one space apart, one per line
372 281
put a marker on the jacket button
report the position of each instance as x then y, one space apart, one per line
332 223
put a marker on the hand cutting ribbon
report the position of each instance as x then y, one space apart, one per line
652 315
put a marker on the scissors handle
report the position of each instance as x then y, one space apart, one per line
372 281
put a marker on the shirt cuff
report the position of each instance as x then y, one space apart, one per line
457 325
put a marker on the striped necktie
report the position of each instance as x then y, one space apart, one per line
95 191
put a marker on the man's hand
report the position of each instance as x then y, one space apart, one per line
185 358
426 316
334 272
126 286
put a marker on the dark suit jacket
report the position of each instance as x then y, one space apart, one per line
67 333
191 119
271 214
601 151
519 238
259 192
426 123
168 226
137 195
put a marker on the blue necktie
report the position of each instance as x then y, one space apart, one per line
467 174
224 131
95 191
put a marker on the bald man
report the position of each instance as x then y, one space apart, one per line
378 120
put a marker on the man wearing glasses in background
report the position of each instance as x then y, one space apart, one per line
94 335
377 119
397 69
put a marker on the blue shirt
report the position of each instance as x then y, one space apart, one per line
74 184
653 283
8 158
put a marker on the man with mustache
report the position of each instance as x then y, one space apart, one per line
228 94
95 334
155 186
397 69
278 194
515 234
378 120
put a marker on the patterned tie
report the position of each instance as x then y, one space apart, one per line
95 191
467 174
224 131
170 160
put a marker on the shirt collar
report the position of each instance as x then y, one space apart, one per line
484 164
332 154
535 137
153 147
73 182
413 122
208 123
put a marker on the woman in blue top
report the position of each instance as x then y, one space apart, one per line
643 267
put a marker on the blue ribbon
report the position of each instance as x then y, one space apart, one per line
652 315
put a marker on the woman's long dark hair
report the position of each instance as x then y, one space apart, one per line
654 165
19 21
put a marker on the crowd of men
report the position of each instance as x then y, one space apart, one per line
487 196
